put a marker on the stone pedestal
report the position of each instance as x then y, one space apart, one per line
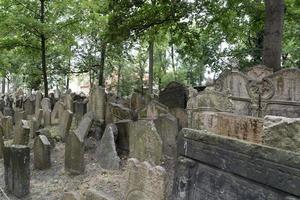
17 169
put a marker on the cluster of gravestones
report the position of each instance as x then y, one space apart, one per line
146 129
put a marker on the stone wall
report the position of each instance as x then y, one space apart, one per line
213 167
228 124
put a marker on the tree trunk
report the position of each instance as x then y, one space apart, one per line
151 55
102 65
3 85
119 79
173 62
43 49
274 14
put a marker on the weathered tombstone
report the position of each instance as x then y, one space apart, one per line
22 133
80 108
175 95
57 112
68 101
145 181
17 170
35 123
214 167
167 128
19 115
7 124
29 105
152 110
38 99
106 152
46 106
71 196
2 105
96 102
65 124
145 143
74 149
42 152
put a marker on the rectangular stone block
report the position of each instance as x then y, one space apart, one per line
17 170
216 167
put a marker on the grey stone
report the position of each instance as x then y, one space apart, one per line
216 167
22 133
282 132
65 124
145 181
175 95
7 124
97 195
1 141
97 101
145 143
106 152
167 128
71 196
42 152
17 170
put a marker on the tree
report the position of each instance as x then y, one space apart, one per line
273 33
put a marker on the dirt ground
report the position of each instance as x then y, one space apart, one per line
50 184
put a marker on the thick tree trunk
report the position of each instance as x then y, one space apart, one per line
274 14
151 61
43 49
102 65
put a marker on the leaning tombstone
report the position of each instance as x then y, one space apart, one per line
38 99
46 106
106 152
145 143
17 170
42 152
65 124
74 149
97 103
145 182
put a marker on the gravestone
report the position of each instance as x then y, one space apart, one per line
137 101
57 112
65 124
145 143
227 124
19 115
46 106
167 128
38 99
106 152
29 105
42 152
97 101
152 110
145 182
35 123
7 125
74 149
80 108
97 195
68 102
175 95
22 133
17 170
213 167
